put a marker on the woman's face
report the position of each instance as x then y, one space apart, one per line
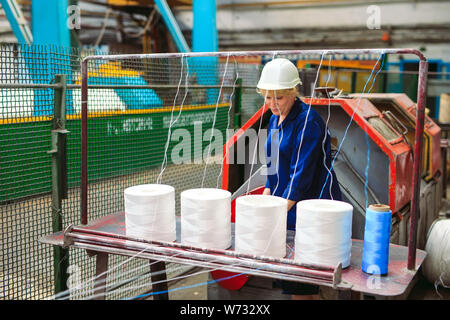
279 104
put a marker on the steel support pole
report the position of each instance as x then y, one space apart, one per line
49 22
17 21
101 274
59 181
418 146
159 280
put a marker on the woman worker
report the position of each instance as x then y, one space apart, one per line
297 174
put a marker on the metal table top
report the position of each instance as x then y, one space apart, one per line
395 283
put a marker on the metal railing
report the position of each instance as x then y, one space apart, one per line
40 158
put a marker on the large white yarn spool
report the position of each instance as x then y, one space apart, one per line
436 267
323 232
150 212
206 218
261 225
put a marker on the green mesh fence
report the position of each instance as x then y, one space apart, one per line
128 131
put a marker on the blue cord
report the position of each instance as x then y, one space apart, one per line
377 232
368 148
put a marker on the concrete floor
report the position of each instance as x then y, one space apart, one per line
197 290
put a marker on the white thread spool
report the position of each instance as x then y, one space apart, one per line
261 225
150 212
436 267
323 232
206 218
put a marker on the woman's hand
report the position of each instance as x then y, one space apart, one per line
291 203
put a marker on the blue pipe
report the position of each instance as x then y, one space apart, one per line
17 22
49 22
204 39
51 39
204 33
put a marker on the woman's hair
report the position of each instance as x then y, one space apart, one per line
283 92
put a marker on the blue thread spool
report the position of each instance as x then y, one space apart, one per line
377 233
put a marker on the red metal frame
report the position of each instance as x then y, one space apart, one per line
430 127
361 109
421 96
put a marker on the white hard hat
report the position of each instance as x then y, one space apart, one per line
279 74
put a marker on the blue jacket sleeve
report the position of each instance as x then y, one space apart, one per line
301 170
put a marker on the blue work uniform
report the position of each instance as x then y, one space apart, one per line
306 172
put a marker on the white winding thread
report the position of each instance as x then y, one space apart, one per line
259 130
306 121
436 267
65 295
325 134
256 146
323 232
236 68
279 146
206 218
171 123
150 212
261 225
214 121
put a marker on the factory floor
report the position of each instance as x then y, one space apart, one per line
194 287
423 290
197 288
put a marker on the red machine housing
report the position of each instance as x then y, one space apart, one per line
406 111
390 172
397 150
362 110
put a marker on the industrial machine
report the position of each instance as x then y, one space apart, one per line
378 130
374 163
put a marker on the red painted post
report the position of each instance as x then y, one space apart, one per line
415 197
